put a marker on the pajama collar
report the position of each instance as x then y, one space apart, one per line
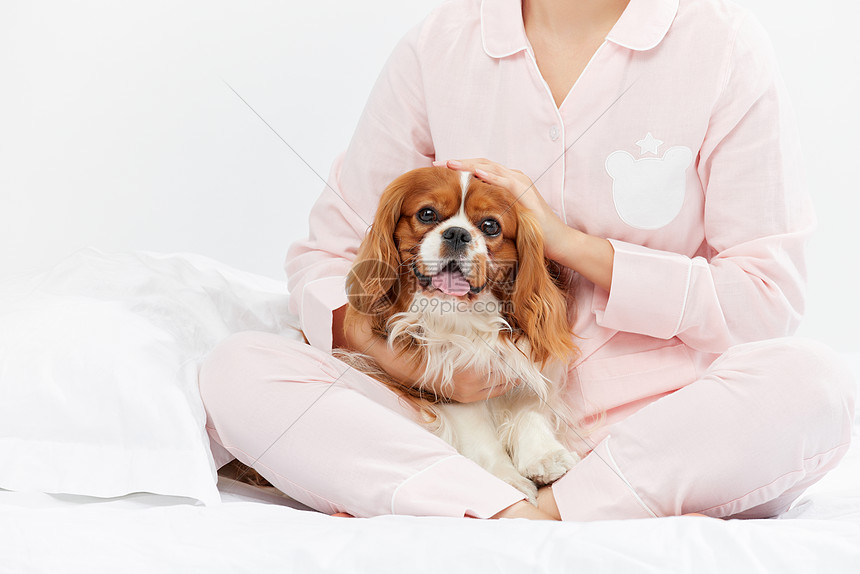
642 26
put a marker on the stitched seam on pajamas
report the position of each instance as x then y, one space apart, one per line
420 472
627 482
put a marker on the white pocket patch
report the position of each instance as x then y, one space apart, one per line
649 192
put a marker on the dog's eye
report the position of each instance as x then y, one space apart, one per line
427 215
490 227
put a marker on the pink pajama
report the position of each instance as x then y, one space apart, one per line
761 424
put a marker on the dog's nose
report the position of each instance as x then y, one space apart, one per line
456 237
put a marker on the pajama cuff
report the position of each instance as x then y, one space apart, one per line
596 489
649 291
453 486
319 298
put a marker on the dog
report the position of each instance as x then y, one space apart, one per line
452 275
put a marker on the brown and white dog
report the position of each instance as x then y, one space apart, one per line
452 274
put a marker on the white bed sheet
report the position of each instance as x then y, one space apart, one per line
255 530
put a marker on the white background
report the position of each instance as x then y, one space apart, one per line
118 131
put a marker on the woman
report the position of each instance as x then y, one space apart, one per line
661 142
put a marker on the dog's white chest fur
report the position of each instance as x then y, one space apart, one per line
514 436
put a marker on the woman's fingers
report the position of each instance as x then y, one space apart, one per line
518 184
490 177
468 164
471 165
489 392
471 386
495 391
513 180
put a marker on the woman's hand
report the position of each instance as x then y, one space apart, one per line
589 255
471 385
522 189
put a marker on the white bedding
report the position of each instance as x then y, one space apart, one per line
255 530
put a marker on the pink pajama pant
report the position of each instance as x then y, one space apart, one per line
764 422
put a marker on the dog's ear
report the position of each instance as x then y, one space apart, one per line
539 308
372 282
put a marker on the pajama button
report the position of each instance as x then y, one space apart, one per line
554 132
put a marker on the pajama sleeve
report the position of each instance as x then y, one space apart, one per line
750 285
392 137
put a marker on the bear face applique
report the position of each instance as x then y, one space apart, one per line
649 192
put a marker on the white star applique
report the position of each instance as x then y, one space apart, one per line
649 144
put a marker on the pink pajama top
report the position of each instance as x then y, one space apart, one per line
677 143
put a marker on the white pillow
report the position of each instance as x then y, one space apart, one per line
98 370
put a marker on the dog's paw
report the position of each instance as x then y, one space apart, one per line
549 467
